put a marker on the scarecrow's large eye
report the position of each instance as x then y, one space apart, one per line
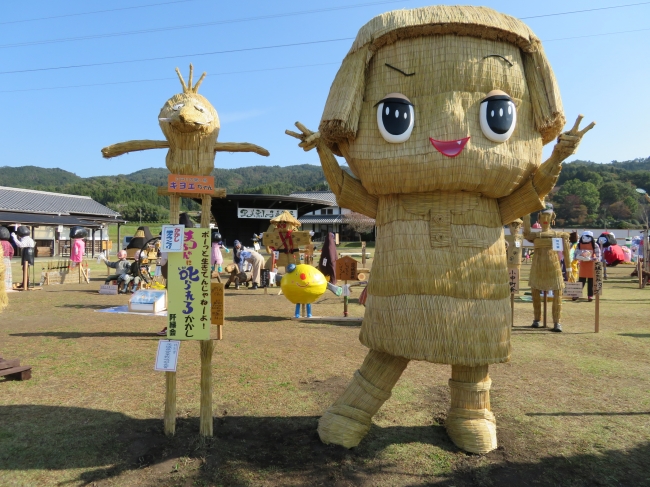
395 118
498 117
178 106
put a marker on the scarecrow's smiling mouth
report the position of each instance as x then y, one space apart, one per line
449 148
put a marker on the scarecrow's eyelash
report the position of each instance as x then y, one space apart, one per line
499 56
399 70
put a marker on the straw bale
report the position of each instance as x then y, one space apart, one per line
453 25
4 301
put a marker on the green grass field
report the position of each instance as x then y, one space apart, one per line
572 409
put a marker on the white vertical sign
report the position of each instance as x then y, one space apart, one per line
557 244
171 238
167 355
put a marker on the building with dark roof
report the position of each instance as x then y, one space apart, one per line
50 216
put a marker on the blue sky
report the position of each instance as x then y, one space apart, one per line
63 117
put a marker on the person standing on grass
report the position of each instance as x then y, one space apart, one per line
8 253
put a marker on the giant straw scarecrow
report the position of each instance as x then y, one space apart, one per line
546 271
283 237
441 114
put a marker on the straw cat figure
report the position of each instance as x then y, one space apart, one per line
191 126
441 114
546 271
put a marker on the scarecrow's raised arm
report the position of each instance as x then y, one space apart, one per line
348 190
529 197
240 147
133 146
528 234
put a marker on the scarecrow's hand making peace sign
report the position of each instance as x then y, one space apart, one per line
567 144
348 190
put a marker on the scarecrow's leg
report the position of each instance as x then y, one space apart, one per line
297 313
470 423
348 420
537 306
557 305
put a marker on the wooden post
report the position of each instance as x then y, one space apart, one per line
512 309
207 348
170 403
170 377
363 254
545 309
597 322
345 302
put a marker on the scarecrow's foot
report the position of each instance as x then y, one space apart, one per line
473 430
348 420
470 423
344 425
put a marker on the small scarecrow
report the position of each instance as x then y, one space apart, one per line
302 285
441 114
515 244
24 242
546 271
588 252
78 245
283 238
191 127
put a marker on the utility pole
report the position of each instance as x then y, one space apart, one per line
140 212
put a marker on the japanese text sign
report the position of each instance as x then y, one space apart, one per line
557 244
513 278
598 281
346 269
171 238
263 213
573 289
167 355
188 283
180 183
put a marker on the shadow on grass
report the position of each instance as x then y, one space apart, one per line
84 306
597 413
256 319
66 335
105 444
635 335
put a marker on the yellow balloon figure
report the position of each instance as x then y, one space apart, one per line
303 284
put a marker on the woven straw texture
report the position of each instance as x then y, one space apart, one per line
439 287
546 272
451 26
4 301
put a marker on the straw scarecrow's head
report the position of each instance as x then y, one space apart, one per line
188 114
515 226
547 217
443 98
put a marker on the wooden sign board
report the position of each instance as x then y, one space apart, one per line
217 298
573 289
598 280
180 183
346 269
265 278
513 279
108 289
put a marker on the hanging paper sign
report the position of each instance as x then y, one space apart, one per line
557 244
346 290
598 281
517 243
171 238
513 277
180 183
167 355
217 299
573 289
189 288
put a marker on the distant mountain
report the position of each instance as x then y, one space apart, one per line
31 176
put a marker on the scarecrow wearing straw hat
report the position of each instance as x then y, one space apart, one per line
441 114
283 238
546 271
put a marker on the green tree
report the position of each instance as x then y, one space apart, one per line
586 191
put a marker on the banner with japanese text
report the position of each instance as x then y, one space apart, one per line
188 285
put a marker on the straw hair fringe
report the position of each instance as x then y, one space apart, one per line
341 114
